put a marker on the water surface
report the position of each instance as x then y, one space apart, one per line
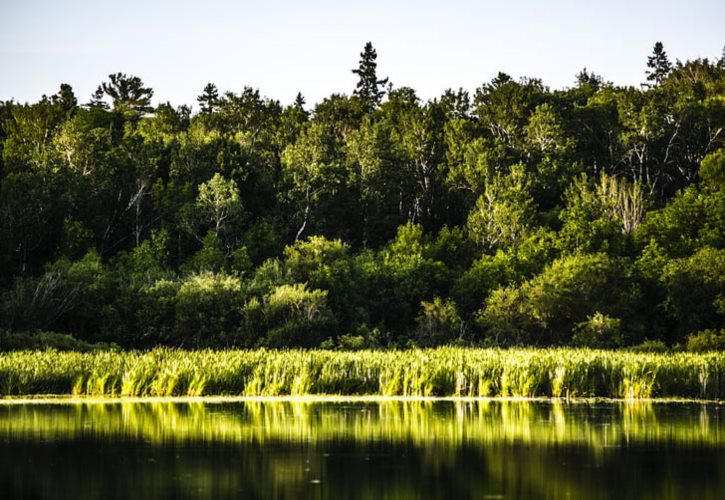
375 450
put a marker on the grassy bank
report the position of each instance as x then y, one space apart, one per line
435 372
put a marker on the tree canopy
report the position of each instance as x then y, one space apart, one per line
514 215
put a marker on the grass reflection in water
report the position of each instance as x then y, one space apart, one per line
453 422
388 449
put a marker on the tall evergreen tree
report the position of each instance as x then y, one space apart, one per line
300 103
589 79
659 65
128 94
209 99
66 98
369 88
97 99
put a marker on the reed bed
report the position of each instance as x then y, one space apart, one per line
445 372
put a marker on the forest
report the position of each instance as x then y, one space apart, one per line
513 215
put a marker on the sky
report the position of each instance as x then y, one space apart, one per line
284 46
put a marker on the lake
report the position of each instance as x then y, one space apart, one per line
454 449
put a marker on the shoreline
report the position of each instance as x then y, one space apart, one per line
68 399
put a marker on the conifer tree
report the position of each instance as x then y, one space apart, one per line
589 79
659 65
66 98
300 102
97 99
369 88
209 99
128 94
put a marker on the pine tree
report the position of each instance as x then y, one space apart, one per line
97 99
128 94
66 98
369 88
659 65
299 107
209 99
586 79
300 102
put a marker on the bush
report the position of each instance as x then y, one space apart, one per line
208 309
561 300
694 287
17 341
36 303
706 340
439 323
650 346
296 316
599 330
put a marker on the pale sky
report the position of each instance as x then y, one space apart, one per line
286 46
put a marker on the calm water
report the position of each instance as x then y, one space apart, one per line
371 450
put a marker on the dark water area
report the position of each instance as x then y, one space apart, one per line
365 450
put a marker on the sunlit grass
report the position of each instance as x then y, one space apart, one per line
445 372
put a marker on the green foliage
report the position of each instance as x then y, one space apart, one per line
208 308
368 87
438 323
484 276
658 64
692 220
38 341
36 303
327 265
219 202
712 171
91 285
146 263
128 94
573 293
592 215
401 276
264 239
599 330
695 288
650 346
598 216
210 256
77 239
296 316
200 310
313 170
503 215
706 340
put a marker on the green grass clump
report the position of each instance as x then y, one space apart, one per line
446 371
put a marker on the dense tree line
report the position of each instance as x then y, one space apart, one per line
515 215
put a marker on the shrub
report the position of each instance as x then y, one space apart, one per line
16 341
438 322
296 316
650 346
706 340
599 330
208 309
549 307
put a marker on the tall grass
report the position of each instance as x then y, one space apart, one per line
444 371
